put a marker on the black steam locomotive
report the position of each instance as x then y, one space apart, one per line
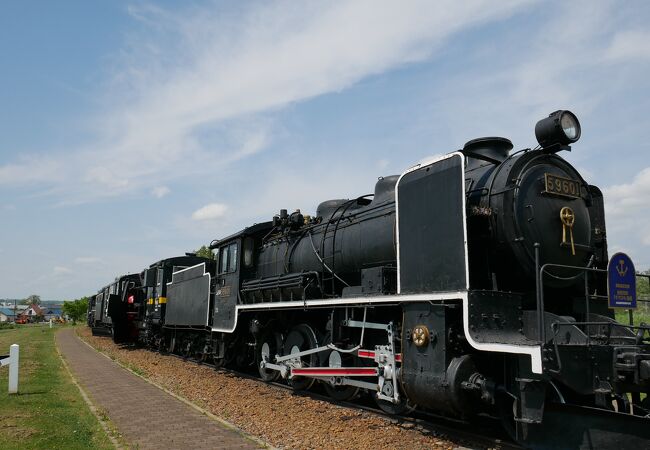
471 284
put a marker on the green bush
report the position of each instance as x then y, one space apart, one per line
76 309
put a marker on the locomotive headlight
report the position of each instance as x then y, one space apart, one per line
559 129
570 126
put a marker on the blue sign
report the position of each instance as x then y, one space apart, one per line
621 282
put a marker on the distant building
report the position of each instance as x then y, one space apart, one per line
54 312
7 315
31 313
11 305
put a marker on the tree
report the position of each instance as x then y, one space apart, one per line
643 285
205 252
32 300
76 309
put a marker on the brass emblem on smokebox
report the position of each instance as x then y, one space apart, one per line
568 218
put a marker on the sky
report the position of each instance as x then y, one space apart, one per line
131 131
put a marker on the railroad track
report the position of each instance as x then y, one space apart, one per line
482 433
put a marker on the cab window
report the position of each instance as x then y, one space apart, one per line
247 251
228 258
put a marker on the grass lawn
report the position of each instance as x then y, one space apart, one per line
48 412
640 315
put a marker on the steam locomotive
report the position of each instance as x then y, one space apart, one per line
470 284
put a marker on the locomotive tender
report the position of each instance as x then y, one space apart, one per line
470 284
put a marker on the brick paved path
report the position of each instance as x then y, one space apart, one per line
145 415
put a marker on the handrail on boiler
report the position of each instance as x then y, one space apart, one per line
539 279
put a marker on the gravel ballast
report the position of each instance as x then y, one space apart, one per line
276 415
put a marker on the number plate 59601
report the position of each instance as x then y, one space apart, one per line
561 186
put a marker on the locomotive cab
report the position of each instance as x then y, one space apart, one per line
237 260
227 283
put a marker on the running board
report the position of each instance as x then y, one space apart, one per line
579 427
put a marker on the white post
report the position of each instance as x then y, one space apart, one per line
13 368
50 323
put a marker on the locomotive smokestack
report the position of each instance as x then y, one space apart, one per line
491 149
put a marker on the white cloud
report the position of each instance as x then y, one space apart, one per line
205 67
629 199
106 177
160 191
30 169
629 44
210 212
627 214
61 270
558 62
